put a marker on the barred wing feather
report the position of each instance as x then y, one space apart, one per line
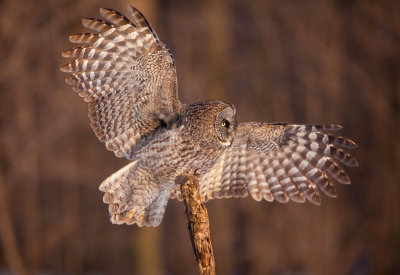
280 162
128 78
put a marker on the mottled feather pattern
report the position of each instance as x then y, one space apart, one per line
135 196
121 70
280 162
128 78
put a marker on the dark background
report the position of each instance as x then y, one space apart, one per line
297 61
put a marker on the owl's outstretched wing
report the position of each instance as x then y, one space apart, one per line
128 78
279 162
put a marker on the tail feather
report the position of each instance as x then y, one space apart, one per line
134 196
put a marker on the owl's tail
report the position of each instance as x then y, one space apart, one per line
134 195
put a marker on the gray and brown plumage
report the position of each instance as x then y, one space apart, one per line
127 76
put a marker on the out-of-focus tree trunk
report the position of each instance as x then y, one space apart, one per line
29 167
8 241
218 20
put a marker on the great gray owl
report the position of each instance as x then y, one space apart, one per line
127 76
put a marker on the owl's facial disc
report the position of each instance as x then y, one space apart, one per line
225 126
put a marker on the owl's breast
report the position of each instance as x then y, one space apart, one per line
175 153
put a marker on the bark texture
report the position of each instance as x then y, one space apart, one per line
198 224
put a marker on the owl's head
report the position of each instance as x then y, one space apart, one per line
225 124
212 123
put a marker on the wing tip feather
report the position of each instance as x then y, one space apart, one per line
65 68
86 22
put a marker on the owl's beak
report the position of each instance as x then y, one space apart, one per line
226 143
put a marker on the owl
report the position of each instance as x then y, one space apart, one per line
128 78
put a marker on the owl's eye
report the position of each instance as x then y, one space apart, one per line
225 123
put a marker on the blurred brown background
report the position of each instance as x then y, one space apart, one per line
296 61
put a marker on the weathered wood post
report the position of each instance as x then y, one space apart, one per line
198 224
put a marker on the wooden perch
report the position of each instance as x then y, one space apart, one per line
198 224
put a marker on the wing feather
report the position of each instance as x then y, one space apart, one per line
128 78
280 162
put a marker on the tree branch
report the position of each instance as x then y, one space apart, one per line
198 224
